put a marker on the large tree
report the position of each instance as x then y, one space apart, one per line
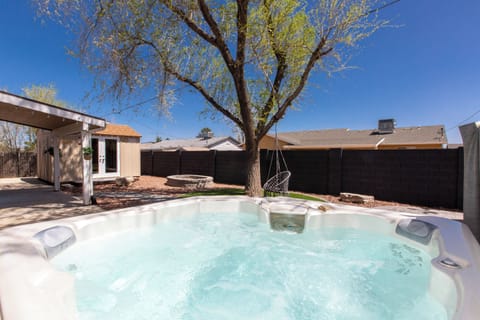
250 60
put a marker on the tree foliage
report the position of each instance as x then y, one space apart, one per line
45 94
11 137
250 60
205 132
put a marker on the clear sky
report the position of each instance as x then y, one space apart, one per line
426 71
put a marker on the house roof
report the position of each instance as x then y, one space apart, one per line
194 149
417 135
188 144
346 138
119 130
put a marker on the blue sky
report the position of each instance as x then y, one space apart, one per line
424 72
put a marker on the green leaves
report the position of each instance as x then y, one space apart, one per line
47 94
251 73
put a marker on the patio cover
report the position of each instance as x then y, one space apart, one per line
60 121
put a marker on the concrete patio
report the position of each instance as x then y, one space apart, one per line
28 200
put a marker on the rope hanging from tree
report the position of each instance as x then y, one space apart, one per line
278 183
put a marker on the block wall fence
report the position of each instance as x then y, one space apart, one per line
419 177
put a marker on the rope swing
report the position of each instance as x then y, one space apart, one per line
278 183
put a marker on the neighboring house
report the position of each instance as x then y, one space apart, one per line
116 153
196 144
386 136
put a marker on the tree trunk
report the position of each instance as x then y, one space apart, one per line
253 184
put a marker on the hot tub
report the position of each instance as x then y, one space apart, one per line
219 258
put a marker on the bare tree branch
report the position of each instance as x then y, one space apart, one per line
279 74
219 39
194 84
316 55
242 16
239 74
207 96
192 25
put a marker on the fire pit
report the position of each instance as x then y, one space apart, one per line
189 181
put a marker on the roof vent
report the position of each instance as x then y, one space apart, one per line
386 126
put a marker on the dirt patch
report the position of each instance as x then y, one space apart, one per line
145 189
44 204
372 204
148 189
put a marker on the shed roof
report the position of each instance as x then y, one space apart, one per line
120 130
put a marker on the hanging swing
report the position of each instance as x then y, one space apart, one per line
278 183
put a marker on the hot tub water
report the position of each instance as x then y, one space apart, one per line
231 266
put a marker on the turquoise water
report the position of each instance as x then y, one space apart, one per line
230 266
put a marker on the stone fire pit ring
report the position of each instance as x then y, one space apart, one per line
191 181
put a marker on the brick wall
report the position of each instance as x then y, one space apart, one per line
230 167
198 162
423 177
309 170
419 177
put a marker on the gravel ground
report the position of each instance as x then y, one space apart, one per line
147 189
43 204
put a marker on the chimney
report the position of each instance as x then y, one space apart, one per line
386 126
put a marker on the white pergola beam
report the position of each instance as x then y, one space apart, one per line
87 186
56 163
49 109
70 129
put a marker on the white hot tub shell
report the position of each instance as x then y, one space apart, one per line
30 288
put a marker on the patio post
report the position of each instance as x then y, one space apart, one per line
56 163
87 166
471 176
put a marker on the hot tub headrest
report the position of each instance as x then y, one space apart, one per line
416 230
56 239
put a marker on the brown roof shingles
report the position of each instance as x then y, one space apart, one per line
417 135
343 137
120 130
